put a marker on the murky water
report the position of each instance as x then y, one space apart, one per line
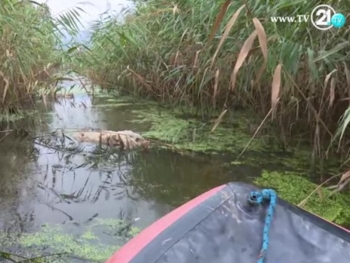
40 185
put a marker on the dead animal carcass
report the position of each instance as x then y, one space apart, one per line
123 139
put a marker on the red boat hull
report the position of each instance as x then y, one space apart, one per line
219 225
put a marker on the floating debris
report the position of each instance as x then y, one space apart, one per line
126 140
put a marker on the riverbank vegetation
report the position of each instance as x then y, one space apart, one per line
222 56
31 51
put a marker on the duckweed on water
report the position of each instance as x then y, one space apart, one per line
294 188
112 105
194 135
60 242
91 245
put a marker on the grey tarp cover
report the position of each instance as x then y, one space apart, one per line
226 229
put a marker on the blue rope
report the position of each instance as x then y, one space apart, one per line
258 198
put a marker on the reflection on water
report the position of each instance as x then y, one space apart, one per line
16 184
40 184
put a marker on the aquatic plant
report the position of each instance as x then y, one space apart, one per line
194 135
296 188
214 55
53 243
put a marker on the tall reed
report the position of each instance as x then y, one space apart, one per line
30 50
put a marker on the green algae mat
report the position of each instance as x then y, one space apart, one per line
295 188
94 242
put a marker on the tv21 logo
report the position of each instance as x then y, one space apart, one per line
324 17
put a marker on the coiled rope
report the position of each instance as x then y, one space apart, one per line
257 198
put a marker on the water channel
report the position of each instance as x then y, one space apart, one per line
56 200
